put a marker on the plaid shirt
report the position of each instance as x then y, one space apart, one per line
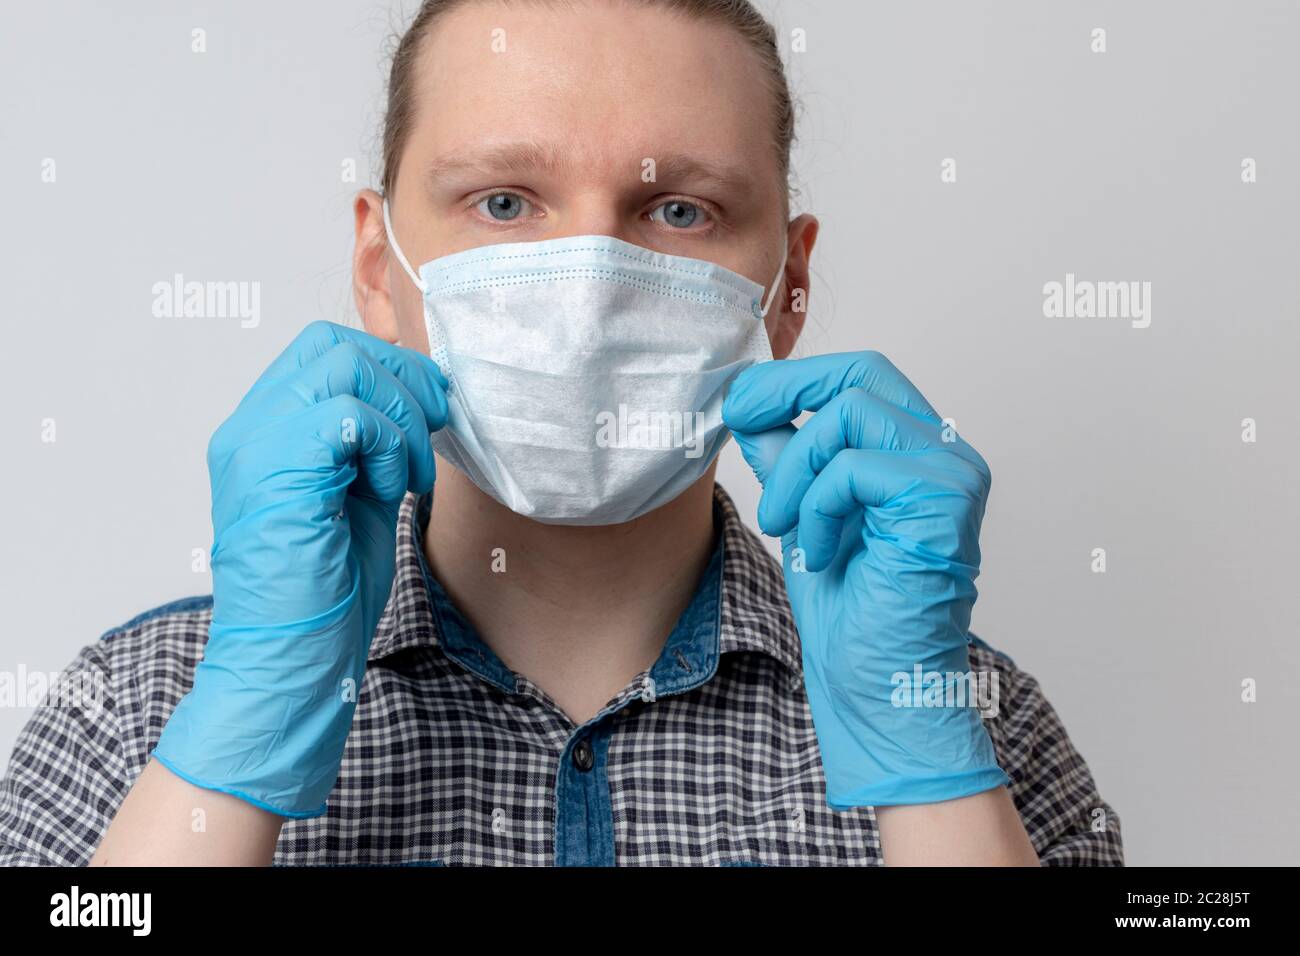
707 758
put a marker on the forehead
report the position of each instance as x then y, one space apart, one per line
604 84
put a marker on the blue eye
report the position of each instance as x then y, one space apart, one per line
503 206
678 214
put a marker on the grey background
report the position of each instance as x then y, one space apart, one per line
1115 166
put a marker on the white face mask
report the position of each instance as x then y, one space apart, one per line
587 374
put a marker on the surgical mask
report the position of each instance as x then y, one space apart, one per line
586 374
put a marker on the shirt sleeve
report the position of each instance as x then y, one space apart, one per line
1068 822
66 776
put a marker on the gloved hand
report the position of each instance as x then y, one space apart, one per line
308 475
879 521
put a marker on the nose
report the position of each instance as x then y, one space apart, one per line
592 213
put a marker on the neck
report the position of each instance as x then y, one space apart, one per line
579 611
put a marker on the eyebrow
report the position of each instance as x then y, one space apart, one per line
676 167
531 157
507 157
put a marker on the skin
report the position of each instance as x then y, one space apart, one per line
585 609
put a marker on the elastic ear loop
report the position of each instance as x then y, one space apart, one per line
437 337
776 286
397 250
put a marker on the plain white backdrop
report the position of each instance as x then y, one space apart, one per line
1118 166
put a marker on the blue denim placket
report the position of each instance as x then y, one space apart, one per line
584 817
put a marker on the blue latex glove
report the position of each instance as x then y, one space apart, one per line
879 521
308 475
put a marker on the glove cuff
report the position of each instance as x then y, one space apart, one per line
246 797
268 717
899 791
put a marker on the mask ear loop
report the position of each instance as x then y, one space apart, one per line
776 286
397 250
437 337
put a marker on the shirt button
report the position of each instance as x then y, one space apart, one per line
583 758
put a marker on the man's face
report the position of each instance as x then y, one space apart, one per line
535 122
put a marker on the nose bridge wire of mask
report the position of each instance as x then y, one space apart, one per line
420 284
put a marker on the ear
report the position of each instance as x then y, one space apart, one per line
786 326
370 268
